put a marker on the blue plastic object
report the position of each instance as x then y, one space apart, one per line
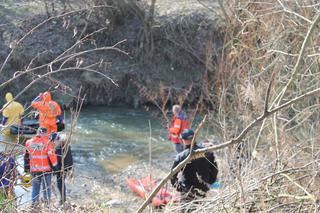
216 185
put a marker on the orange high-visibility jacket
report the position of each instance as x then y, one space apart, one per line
48 112
41 154
179 123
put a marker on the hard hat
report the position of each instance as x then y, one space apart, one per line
187 134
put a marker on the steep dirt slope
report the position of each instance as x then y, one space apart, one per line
180 33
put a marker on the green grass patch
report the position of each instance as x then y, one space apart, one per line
6 205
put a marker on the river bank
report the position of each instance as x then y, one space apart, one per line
109 145
95 191
181 34
110 192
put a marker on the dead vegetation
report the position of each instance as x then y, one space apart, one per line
275 167
269 57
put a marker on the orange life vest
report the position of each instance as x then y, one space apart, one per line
179 123
41 153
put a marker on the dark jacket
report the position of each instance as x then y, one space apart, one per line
7 170
197 174
62 150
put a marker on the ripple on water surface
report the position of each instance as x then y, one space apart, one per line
116 137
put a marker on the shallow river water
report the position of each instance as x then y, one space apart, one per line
117 137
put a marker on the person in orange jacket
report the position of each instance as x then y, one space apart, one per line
179 123
40 160
49 111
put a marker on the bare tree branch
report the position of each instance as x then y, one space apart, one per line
66 58
299 60
16 44
200 152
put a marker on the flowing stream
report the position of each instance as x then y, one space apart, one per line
110 139
114 138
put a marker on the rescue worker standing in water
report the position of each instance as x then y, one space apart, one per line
11 114
40 159
49 111
179 123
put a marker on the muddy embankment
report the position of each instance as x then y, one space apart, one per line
173 52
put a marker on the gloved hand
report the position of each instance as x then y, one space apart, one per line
59 119
4 120
215 185
180 187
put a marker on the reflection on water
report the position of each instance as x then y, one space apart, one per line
117 137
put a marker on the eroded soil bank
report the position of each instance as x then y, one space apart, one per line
172 57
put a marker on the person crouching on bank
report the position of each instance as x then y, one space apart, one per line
197 176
